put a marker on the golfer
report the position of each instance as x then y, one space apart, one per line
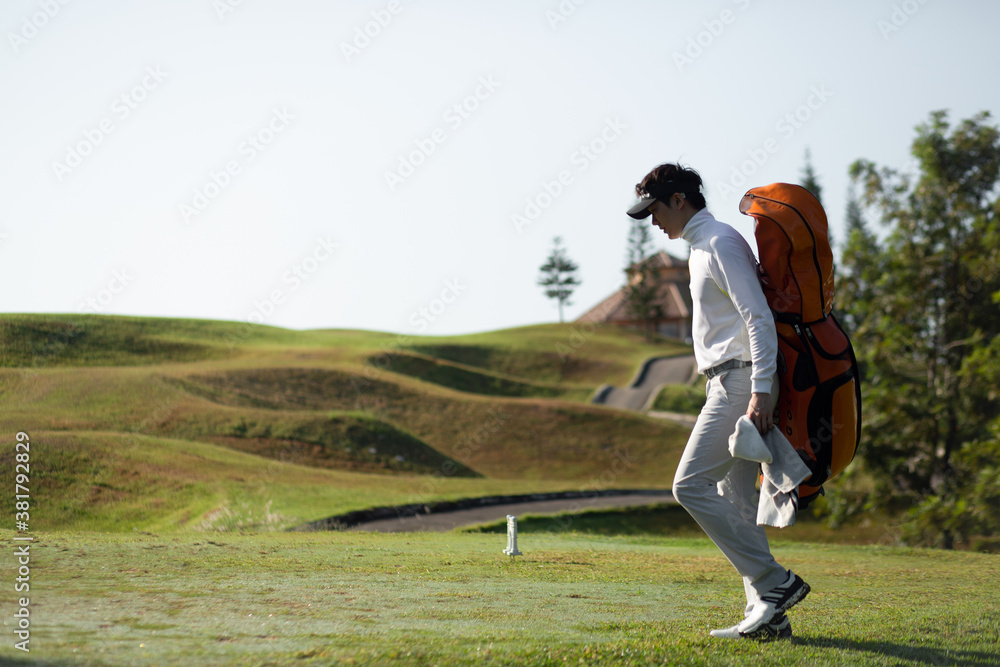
735 347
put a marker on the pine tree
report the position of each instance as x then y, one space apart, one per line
558 276
809 180
641 290
861 268
811 183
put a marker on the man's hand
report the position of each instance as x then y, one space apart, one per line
760 412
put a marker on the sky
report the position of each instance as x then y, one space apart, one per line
404 165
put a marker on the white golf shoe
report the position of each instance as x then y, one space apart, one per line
776 601
778 628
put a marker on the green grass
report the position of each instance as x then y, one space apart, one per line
672 520
499 438
112 482
680 398
454 599
553 353
463 378
665 519
43 341
38 341
549 354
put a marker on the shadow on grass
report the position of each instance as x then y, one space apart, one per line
672 520
34 662
922 655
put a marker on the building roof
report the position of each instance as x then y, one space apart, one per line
674 298
664 260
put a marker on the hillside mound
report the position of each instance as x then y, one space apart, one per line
41 341
345 442
464 378
498 438
536 365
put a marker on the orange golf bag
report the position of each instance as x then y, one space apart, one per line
819 407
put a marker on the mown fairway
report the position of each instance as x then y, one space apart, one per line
455 599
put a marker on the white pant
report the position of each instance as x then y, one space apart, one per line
730 521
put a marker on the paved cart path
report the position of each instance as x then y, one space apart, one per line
654 373
443 521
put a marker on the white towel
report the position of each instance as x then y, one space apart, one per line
781 466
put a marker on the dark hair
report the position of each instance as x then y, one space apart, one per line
669 178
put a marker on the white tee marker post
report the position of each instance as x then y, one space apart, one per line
511 549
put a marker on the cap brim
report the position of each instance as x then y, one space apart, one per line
641 209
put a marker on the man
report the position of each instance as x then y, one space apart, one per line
735 346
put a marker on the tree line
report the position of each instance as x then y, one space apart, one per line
922 304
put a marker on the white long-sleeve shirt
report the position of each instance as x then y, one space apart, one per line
731 318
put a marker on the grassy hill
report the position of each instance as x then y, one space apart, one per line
141 423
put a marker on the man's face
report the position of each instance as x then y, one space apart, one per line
668 217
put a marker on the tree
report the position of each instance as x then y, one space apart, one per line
641 290
811 183
861 270
927 316
558 276
809 180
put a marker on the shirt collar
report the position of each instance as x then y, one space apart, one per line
695 227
